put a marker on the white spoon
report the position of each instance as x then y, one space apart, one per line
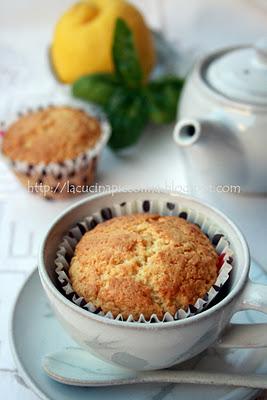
73 366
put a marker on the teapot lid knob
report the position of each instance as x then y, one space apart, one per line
261 51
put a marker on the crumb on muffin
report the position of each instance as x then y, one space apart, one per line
51 135
143 264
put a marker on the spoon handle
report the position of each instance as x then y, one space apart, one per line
205 378
74 366
186 377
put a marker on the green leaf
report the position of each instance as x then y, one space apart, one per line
128 115
162 97
96 88
125 58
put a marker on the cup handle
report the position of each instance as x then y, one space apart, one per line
254 297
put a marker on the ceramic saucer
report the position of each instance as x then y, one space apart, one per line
35 332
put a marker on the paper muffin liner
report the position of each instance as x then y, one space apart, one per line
217 237
68 167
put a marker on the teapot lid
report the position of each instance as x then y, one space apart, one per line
240 73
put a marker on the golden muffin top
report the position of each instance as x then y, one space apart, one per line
51 135
143 264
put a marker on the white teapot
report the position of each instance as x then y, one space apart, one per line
222 118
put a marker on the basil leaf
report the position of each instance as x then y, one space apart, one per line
162 96
125 58
96 88
128 115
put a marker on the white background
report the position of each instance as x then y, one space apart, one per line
26 28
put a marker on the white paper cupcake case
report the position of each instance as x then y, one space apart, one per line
35 102
218 238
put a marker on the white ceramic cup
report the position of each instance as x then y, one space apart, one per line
142 346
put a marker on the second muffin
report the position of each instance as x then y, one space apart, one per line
143 264
49 150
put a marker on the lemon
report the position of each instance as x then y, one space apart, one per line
82 42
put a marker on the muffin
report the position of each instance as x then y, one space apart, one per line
143 264
51 150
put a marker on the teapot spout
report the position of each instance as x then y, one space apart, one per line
187 132
190 130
